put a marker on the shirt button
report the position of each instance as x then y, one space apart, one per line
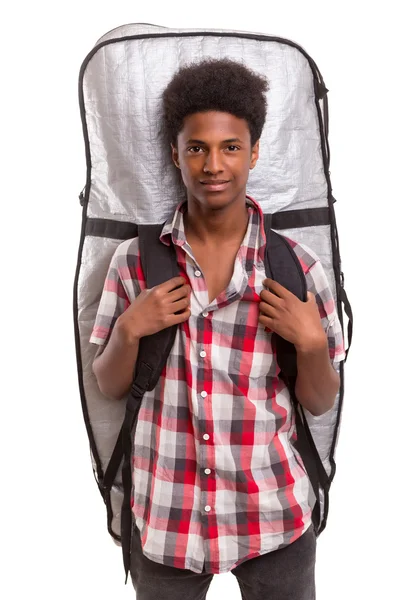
207 471
203 354
197 273
206 436
203 394
205 313
207 508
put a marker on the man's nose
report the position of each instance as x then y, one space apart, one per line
213 163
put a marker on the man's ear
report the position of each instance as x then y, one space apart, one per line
255 152
175 155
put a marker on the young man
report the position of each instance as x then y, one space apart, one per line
217 483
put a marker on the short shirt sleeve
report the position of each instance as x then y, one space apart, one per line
317 283
123 283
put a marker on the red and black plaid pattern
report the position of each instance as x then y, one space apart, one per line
215 477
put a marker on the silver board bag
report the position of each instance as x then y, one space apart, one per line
131 181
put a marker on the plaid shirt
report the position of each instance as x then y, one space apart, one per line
215 477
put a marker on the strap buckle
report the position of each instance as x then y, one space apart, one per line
141 383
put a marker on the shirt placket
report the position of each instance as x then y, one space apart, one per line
203 390
204 384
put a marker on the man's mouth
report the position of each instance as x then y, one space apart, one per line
215 185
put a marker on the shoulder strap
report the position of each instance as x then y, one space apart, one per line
282 265
153 350
158 264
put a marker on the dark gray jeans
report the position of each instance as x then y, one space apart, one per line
285 574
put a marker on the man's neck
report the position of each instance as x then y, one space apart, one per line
213 227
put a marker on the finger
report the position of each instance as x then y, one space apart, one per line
180 305
270 298
267 322
310 297
268 310
176 319
277 288
179 293
172 284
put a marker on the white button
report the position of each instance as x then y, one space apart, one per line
207 471
203 354
203 394
197 273
205 314
206 436
207 508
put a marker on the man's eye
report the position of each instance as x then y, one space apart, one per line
233 148
194 149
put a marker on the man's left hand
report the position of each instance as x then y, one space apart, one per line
296 321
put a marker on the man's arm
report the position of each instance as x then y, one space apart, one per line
114 364
317 382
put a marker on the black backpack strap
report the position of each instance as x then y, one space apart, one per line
159 264
283 266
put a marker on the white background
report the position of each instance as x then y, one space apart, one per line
53 522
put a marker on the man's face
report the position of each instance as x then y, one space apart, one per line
214 154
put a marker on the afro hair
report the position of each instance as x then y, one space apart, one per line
219 85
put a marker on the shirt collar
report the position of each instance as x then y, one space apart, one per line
254 241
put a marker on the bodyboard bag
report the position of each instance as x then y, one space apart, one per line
131 181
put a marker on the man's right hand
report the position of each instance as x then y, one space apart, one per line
155 309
